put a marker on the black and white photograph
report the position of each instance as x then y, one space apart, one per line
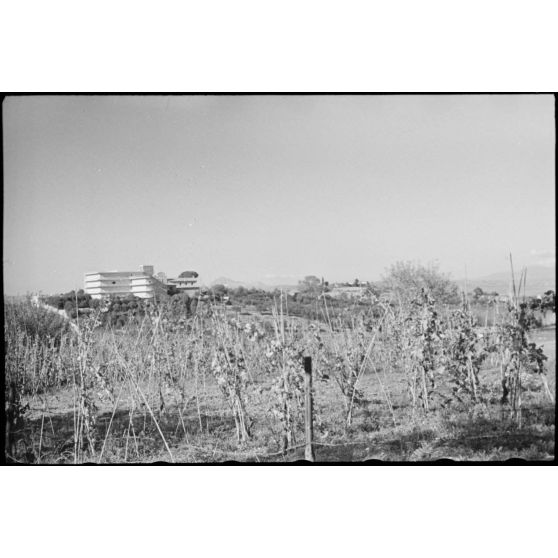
273 279
278 278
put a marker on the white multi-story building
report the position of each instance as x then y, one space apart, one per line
147 286
142 283
109 283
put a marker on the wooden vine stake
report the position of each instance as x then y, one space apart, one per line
308 418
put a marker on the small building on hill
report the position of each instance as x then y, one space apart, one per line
186 282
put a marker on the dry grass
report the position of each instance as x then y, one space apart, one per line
150 393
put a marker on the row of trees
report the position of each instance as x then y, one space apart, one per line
119 310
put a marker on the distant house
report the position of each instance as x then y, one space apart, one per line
351 292
143 283
186 282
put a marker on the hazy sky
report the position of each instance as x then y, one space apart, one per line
273 188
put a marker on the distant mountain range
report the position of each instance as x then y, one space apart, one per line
539 280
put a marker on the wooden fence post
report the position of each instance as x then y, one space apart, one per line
308 411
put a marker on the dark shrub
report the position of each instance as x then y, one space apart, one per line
37 322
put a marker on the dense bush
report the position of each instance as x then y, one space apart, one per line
544 303
35 321
406 280
69 301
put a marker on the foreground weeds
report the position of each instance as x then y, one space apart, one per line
414 381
